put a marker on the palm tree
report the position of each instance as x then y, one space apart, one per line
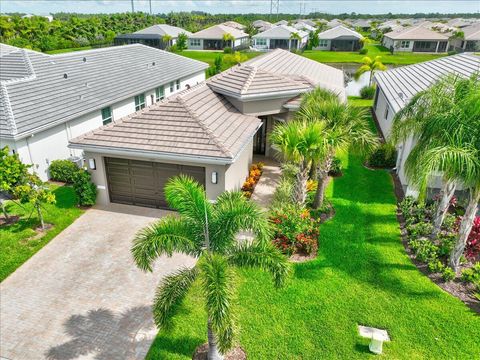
208 232
370 65
167 39
299 142
440 121
346 127
229 39
295 36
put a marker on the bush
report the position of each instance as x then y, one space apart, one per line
228 50
425 250
62 170
336 167
363 51
385 157
448 274
367 92
84 188
420 229
452 52
446 243
252 179
472 275
435 266
472 249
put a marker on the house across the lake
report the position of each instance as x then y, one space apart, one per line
397 86
213 38
470 40
416 39
280 37
339 38
154 36
210 131
46 100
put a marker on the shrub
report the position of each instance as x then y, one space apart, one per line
448 274
336 167
420 229
84 188
62 170
472 275
446 243
283 193
384 156
472 249
252 179
363 51
425 250
452 52
435 266
227 50
367 92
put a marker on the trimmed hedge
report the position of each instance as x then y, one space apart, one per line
62 170
385 156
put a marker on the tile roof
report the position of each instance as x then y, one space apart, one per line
402 83
163 29
217 32
280 32
338 31
36 94
419 32
472 32
283 62
234 24
197 122
250 81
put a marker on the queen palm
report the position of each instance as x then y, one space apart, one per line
370 65
301 143
167 39
345 127
208 232
229 39
440 120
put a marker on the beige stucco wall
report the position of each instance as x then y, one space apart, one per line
260 107
236 173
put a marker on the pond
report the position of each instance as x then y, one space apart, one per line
353 86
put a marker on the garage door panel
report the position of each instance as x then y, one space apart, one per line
142 183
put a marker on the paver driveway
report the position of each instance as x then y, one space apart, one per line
81 296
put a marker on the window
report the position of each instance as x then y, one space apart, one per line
171 87
177 84
261 42
107 115
139 102
405 44
323 43
386 113
194 42
159 93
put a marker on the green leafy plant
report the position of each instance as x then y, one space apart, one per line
84 188
62 170
363 51
367 92
336 167
472 275
435 266
182 42
448 274
384 157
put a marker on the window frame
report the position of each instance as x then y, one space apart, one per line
387 110
405 44
107 119
261 41
194 42
139 105
172 86
159 93
177 84
322 43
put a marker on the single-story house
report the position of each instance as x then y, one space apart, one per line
280 37
460 23
46 100
362 24
339 38
210 131
306 21
416 39
397 86
262 25
234 24
304 27
471 39
212 38
281 22
152 36
334 23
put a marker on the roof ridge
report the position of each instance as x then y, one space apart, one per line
204 127
251 76
8 108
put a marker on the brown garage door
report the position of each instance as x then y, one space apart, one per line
142 183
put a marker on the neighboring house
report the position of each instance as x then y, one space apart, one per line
261 25
281 22
307 22
416 39
304 26
362 24
152 36
209 132
280 37
470 41
212 38
397 86
334 23
459 23
234 24
339 38
46 100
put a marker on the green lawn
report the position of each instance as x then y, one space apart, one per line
373 50
209 56
358 101
361 276
61 51
15 246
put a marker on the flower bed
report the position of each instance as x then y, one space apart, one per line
432 254
296 232
253 178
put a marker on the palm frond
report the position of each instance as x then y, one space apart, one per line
264 256
168 235
170 293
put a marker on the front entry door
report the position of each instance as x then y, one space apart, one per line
260 138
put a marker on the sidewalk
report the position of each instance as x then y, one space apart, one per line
263 193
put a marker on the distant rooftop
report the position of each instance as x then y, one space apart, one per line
217 32
419 32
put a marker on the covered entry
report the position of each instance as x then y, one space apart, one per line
142 183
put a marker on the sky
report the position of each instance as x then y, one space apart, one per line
41 7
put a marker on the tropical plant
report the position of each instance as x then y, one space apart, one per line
345 127
182 41
367 92
167 39
313 40
236 58
371 66
84 188
229 39
300 142
207 231
62 170
250 29
442 119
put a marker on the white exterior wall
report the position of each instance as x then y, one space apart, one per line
51 144
326 47
200 47
237 172
387 42
380 111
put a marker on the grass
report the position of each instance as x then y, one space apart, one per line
361 276
358 101
15 246
373 50
61 51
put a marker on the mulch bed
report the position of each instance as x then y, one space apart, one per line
302 257
457 288
237 353
12 219
39 232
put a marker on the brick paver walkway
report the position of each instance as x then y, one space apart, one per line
263 193
81 296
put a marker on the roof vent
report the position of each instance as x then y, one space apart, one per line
84 59
153 63
400 95
65 75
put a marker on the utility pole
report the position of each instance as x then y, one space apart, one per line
150 7
133 7
274 6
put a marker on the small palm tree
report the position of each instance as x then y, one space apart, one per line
167 39
370 65
228 39
299 142
208 232
295 36
345 127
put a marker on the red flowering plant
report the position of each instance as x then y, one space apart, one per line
295 230
472 250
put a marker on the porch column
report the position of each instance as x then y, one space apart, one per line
436 49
